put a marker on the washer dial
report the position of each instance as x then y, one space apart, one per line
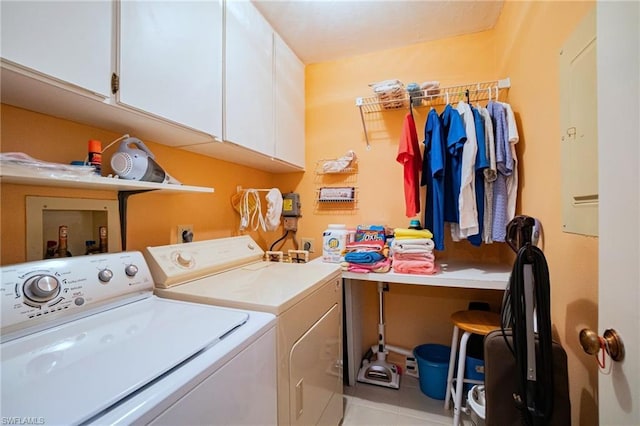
105 275
131 270
41 288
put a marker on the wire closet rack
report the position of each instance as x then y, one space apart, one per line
470 92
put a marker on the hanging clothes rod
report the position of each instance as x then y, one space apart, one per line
241 189
478 91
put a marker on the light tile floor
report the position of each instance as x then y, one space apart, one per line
375 405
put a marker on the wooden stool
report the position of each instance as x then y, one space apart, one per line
471 322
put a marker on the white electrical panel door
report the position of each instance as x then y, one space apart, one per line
68 41
170 61
249 78
579 132
289 104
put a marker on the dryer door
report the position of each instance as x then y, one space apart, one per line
314 371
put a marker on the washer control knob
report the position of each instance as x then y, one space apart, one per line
42 288
184 259
131 270
105 275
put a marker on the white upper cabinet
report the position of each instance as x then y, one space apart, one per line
170 61
289 104
190 74
248 95
70 42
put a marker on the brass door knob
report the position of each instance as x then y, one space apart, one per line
590 342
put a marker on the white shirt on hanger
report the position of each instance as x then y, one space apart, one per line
468 224
490 175
512 180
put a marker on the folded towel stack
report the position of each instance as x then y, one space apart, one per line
366 256
412 251
390 93
430 88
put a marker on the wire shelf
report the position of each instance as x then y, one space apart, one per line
352 168
472 92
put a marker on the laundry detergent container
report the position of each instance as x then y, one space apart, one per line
433 363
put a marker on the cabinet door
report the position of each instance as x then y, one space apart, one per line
314 373
249 78
289 104
69 41
170 61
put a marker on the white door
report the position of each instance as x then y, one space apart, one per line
289 104
618 46
249 78
69 41
170 61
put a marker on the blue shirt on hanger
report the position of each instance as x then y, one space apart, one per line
455 138
433 171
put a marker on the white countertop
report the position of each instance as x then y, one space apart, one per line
451 274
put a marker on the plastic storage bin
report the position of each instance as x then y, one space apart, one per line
474 370
433 363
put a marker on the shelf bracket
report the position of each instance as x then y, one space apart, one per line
123 196
364 125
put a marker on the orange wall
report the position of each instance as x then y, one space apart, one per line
523 46
333 126
530 36
152 217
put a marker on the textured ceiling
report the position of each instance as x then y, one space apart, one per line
326 30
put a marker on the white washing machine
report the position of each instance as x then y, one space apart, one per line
85 341
306 298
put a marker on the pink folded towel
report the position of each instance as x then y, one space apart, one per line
414 267
424 257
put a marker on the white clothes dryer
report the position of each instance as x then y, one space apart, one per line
305 297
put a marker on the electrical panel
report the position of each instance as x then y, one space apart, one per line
291 205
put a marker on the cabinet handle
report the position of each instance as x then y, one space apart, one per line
115 83
299 398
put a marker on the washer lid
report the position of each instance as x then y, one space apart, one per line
70 373
264 286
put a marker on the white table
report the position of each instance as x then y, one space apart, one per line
451 274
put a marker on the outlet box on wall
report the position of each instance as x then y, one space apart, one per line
308 244
184 234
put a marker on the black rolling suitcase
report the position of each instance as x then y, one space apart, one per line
501 384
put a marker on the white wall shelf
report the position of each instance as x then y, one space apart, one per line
125 188
94 182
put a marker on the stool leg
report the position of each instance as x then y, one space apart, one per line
452 365
457 403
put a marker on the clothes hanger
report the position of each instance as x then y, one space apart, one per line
411 106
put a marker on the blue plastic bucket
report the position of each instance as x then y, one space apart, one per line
474 370
433 363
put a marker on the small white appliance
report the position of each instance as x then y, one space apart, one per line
134 161
85 341
305 297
